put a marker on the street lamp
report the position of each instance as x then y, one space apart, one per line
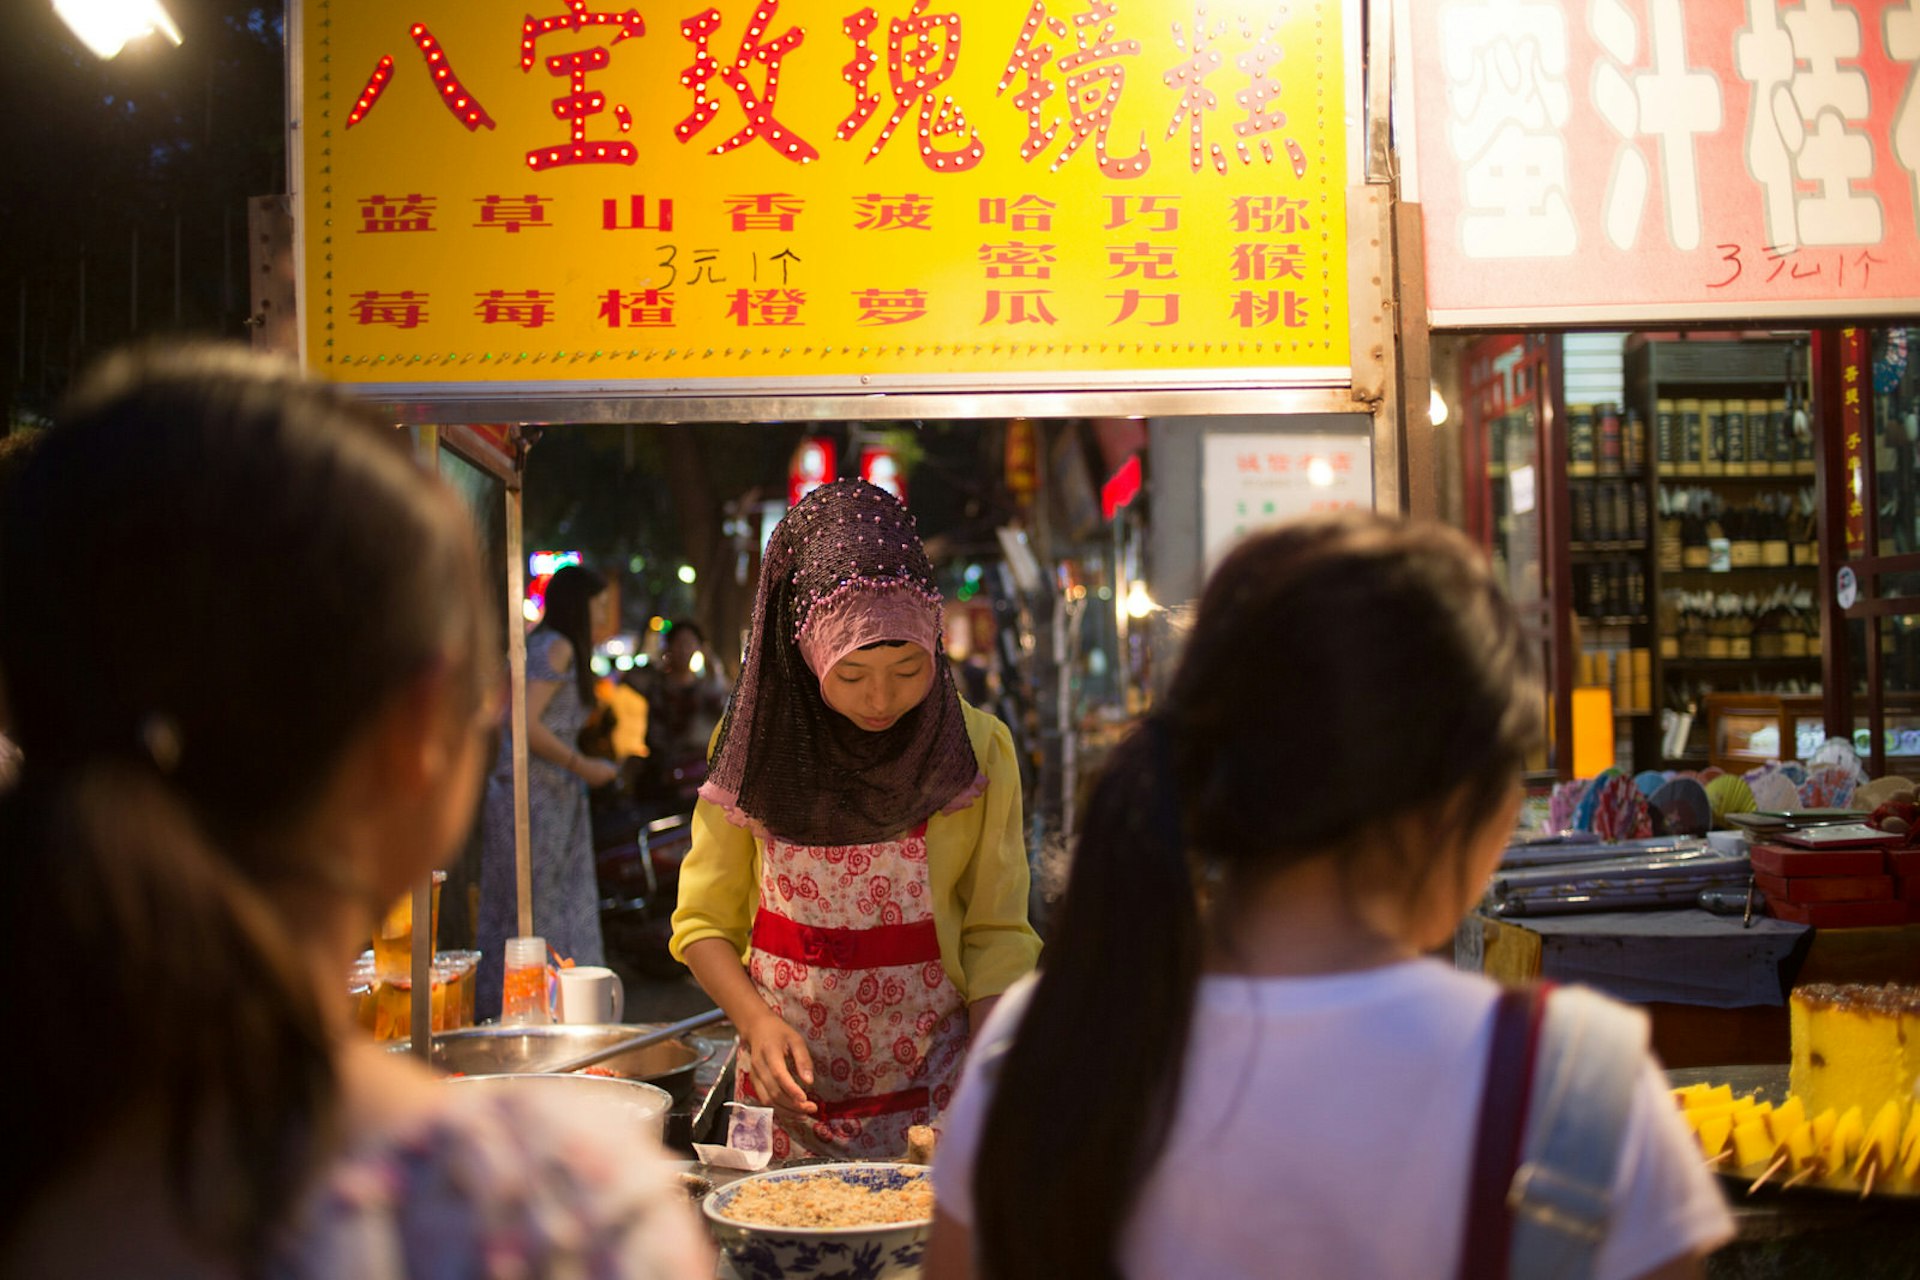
105 26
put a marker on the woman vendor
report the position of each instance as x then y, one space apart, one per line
856 894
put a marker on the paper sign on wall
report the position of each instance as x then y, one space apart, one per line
1248 482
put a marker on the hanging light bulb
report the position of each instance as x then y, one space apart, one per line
105 26
1436 407
1139 603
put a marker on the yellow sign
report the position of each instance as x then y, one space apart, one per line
878 195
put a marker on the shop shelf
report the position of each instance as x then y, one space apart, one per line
1728 664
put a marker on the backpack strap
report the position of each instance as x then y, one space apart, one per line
1503 1108
1589 1063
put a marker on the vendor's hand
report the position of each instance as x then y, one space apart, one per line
596 772
780 1064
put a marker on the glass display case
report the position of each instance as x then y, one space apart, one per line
1749 729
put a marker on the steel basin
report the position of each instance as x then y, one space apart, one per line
490 1051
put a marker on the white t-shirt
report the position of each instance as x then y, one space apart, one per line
1326 1129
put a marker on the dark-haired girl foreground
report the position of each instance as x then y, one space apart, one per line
245 653
1236 1061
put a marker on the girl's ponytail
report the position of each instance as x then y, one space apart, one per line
134 937
1081 1111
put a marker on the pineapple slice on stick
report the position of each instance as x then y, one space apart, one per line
1878 1145
1714 1129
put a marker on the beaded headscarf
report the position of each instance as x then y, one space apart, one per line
843 569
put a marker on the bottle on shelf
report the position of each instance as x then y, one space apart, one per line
1690 444
1608 447
1733 436
1581 455
1713 434
1633 442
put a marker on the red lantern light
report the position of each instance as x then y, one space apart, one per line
880 467
814 463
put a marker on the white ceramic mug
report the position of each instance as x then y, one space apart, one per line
590 993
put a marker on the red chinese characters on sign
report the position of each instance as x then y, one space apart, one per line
889 306
578 104
1158 213
636 215
527 308
755 105
1015 258
1263 215
1024 213
1263 261
1094 77
1019 306
401 309
453 93
638 309
1148 261
764 211
1257 100
511 213
1168 305
1853 358
1253 310
909 212
775 307
380 215
918 66
1313 465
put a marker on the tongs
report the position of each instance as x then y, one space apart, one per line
640 1041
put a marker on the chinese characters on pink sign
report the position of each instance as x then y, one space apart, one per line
1638 159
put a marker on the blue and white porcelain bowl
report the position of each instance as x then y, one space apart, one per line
882 1251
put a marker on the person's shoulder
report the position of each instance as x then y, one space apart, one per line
479 1173
983 728
551 648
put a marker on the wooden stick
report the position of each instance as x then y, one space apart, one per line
1779 1162
1873 1167
1810 1171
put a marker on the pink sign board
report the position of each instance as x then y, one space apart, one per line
1604 161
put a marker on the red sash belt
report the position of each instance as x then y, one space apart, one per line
878 1105
881 946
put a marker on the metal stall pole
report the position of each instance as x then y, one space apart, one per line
420 1006
1376 326
517 696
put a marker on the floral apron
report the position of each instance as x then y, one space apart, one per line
844 949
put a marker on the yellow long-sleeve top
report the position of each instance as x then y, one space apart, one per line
976 871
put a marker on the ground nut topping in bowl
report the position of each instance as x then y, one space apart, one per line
829 1200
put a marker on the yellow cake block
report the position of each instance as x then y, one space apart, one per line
1853 1045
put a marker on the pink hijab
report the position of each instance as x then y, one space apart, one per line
844 569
